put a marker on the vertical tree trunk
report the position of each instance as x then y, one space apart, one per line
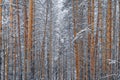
90 35
15 56
104 55
50 46
75 45
30 30
33 50
98 39
92 40
43 45
25 39
109 36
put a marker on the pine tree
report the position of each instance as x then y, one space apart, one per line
25 38
75 45
29 47
109 35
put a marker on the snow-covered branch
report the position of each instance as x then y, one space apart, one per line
80 33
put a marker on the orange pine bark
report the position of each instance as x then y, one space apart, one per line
15 57
109 33
30 30
91 38
75 44
25 39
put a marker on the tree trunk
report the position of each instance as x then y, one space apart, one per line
30 49
43 45
25 39
50 46
90 35
98 40
109 35
75 44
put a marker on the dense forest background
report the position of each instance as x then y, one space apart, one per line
59 39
